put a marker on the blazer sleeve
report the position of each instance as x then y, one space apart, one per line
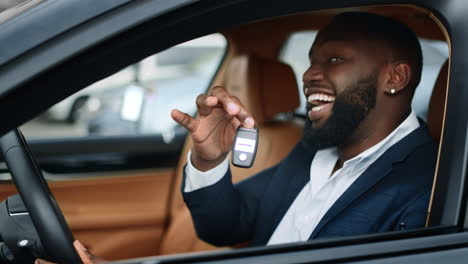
224 214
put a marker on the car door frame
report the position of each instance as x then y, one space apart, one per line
449 208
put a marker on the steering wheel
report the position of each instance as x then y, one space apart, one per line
46 216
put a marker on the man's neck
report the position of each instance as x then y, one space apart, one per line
367 136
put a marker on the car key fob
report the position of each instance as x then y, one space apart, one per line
245 147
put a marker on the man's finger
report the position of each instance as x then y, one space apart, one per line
184 120
82 252
233 106
243 116
205 104
85 255
41 261
227 102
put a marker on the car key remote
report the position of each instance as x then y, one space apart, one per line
245 147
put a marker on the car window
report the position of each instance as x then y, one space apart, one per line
138 99
6 4
435 53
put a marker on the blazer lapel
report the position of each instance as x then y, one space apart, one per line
375 173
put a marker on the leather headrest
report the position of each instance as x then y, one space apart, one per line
265 87
435 114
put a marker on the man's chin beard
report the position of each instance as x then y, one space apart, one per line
337 129
348 112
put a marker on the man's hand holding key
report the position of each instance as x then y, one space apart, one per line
212 133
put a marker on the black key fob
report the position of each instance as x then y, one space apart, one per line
245 147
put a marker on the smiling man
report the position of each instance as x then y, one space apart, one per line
365 163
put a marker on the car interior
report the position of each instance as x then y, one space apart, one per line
138 212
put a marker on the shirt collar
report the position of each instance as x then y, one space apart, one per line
410 124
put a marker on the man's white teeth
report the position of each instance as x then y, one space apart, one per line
320 97
317 108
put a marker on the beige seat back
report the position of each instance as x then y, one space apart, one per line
266 88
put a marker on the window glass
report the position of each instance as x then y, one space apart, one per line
6 4
139 98
435 53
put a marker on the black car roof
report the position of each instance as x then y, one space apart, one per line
55 30
35 22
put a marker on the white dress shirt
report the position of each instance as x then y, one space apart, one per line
321 192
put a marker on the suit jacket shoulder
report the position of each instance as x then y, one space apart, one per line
379 201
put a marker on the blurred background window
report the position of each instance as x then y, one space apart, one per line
7 4
138 99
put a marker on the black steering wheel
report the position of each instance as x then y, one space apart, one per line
46 216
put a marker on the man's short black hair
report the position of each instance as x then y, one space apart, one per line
399 36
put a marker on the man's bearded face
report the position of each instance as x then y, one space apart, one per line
349 109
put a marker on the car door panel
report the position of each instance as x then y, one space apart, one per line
116 215
7 188
115 200
66 156
120 216
113 191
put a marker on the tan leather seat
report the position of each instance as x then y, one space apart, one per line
266 88
436 109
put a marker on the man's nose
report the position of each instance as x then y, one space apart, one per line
313 73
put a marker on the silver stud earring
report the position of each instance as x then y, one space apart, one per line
392 91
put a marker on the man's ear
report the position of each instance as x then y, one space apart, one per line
399 77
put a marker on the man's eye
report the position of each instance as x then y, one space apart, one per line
335 59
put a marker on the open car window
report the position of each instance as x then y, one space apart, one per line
138 99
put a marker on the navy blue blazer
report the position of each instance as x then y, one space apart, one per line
393 193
